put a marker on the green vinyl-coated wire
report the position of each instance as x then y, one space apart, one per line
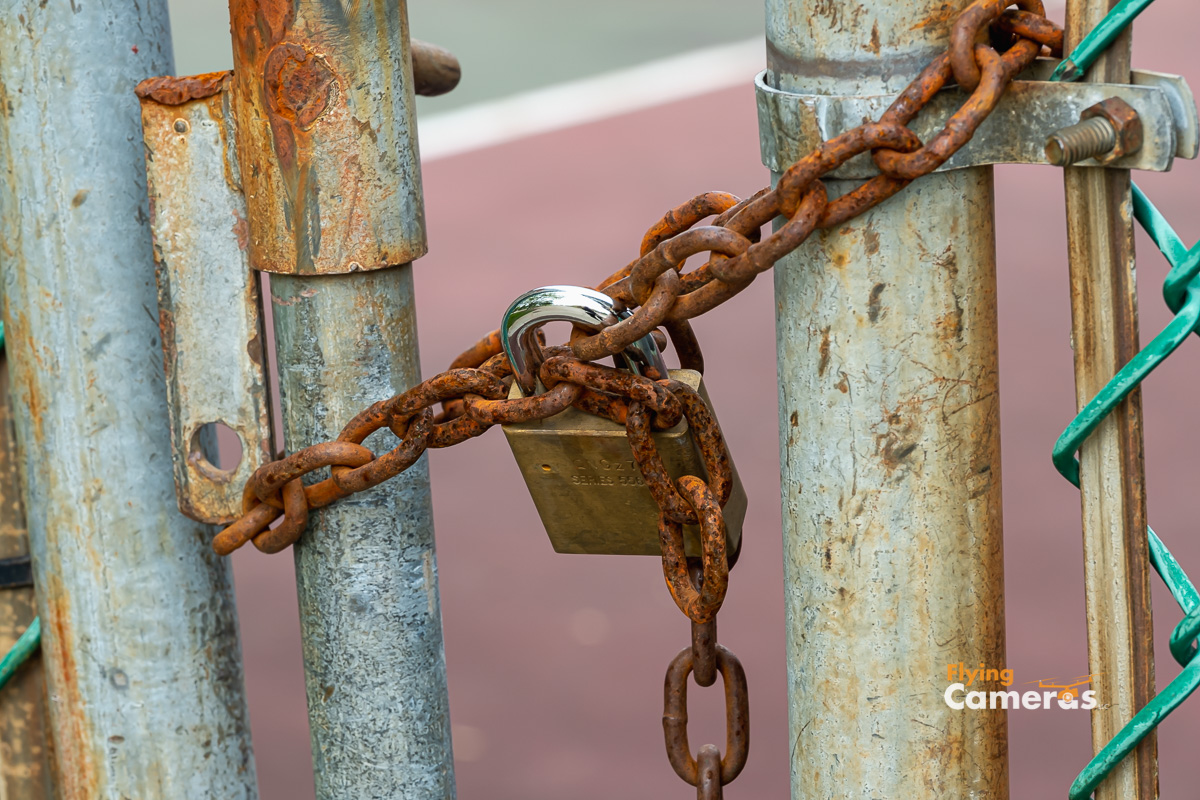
1181 290
26 646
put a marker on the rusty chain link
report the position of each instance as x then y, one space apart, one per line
989 47
695 770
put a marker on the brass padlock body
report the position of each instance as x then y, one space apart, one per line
587 487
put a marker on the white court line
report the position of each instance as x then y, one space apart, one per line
577 102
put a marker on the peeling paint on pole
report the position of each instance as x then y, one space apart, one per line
890 447
139 639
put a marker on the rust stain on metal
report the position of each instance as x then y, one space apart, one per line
166 326
870 240
254 349
298 91
872 46
823 352
241 229
300 85
875 307
264 20
949 325
18 338
75 762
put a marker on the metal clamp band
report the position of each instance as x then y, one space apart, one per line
792 125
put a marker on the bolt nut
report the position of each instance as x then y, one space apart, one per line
1126 123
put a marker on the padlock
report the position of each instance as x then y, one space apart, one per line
579 467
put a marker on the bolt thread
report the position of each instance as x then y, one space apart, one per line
1091 137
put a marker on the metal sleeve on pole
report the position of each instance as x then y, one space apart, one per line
140 639
324 106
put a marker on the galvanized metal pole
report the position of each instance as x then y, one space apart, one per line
890 446
140 643
334 205
366 568
1112 473
25 770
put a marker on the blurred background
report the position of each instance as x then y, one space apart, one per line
556 662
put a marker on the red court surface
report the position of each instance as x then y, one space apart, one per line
556 662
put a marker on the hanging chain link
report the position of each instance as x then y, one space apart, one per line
473 392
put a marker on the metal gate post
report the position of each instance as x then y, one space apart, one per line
1104 335
890 446
139 642
327 148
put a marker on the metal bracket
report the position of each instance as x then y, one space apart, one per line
792 125
209 309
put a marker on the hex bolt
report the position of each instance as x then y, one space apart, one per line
1074 143
1106 131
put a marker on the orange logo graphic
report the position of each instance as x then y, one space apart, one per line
1068 690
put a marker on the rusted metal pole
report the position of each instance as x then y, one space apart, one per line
890 446
24 730
140 646
333 192
1104 333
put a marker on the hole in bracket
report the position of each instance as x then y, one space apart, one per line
215 442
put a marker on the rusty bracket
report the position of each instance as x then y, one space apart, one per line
209 308
791 125
288 166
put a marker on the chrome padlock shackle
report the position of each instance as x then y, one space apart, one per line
587 308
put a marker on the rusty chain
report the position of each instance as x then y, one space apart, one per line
989 46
